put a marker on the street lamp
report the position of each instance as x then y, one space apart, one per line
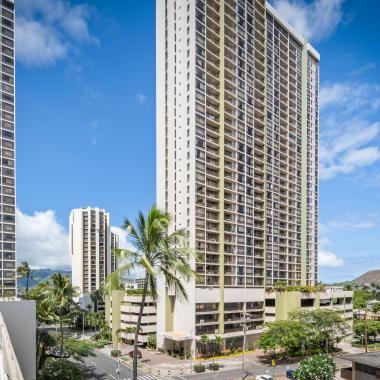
192 353
245 318
118 369
83 326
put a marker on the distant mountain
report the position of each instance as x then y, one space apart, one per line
373 276
41 275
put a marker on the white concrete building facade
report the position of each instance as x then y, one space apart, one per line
17 340
90 243
237 158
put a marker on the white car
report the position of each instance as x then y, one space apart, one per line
264 377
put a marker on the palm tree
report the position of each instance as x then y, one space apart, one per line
96 297
24 271
205 340
216 342
61 294
156 252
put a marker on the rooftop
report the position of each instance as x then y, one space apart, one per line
371 359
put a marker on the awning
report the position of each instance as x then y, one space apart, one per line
177 336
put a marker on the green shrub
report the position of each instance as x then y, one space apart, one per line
198 368
61 369
115 353
213 367
152 341
318 367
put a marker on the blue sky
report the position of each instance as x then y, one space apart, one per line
86 121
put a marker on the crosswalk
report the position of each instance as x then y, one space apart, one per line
143 377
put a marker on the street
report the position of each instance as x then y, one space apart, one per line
253 370
235 373
103 367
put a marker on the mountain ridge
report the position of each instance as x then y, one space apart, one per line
41 275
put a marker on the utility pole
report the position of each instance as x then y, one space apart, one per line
118 369
245 318
83 325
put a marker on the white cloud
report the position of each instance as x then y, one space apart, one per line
355 96
37 44
352 223
42 241
46 30
329 259
315 20
140 98
350 132
336 93
363 69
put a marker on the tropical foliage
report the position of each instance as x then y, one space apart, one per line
60 294
318 367
61 369
158 253
24 271
305 332
152 341
373 329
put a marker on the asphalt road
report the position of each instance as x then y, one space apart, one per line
253 370
235 373
102 367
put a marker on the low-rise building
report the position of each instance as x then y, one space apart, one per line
364 367
18 340
278 304
122 310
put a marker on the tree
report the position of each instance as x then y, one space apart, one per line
376 307
158 253
61 294
327 326
216 342
361 297
318 367
289 336
45 340
372 329
96 297
204 340
61 369
24 271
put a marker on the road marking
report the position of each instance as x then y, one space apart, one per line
113 376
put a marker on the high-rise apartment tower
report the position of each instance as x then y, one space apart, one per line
114 245
8 167
90 242
237 158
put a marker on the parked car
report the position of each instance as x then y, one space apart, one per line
290 374
264 377
139 354
76 336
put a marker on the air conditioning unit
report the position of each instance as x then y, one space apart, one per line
202 321
216 331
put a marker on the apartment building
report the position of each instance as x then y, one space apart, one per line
114 245
237 159
122 311
8 166
90 246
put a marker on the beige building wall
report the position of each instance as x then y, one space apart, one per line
237 152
